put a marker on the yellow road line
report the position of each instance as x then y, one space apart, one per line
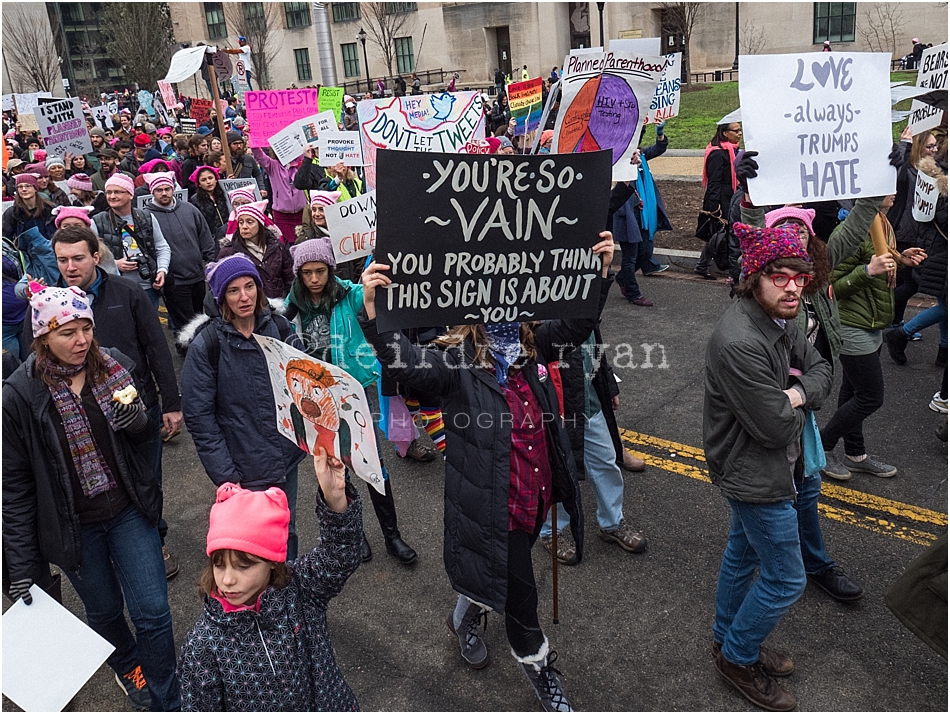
646 440
895 508
877 525
674 466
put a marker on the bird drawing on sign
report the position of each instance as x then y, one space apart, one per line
442 103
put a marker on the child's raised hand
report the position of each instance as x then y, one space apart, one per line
331 473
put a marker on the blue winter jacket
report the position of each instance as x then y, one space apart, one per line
626 228
231 414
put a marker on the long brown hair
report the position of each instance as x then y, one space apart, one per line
95 362
40 206
818 252
917 147
279 577
476 334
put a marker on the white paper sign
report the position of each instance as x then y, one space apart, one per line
8 103
336 146
288 144
666 99
637 45
352 226
824 132
63 127
228 185
181 196
933 75
318 404
925 198
312 126
102 116
46 637
186 62
25 104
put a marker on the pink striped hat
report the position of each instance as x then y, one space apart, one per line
255 210
245 192
80 182
121 180
159 179
324 198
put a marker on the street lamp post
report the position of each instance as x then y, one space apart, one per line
735 62
600 13
362 38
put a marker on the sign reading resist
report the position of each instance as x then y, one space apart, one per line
489 238
825 131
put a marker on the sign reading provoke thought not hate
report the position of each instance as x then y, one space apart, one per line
825 131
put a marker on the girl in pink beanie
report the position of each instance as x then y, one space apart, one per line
249 588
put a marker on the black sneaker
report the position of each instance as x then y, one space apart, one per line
136 689
896 340
834 582
546 681
869 465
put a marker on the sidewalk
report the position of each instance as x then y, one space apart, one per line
678 165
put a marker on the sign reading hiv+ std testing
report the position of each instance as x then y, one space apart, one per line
825 131
489 238
269 111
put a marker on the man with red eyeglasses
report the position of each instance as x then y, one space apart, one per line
762 378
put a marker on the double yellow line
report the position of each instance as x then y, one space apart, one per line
873 513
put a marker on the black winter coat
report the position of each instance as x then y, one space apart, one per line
718 182
932 237
478 446
215 212
40 524
16 221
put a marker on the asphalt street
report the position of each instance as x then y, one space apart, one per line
635 630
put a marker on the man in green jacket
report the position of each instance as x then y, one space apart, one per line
762 375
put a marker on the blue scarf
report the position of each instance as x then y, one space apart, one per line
504 343
647 190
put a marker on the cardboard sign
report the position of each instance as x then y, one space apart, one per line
25 104
666 99
605 97
63 127
489 238
427 122
42 635
188 126
272 110
168 94
311 127
925 198
288 144
331 99
181 196
352 226
825 131
336 146
102 116
228 185
201 110
932 74
318 404
221 61
524 99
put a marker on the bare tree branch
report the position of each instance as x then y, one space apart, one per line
753 39
384 25
31 54
882 23
258 22
138 36
681 18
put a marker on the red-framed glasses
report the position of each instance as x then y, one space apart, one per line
780 280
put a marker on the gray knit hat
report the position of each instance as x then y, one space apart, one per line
314 250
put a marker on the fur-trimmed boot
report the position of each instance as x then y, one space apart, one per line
463 622
545 678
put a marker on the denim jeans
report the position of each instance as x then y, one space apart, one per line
936 315
861 394
123 555
600 462
763 536
289 487
152 451
12 334
814 556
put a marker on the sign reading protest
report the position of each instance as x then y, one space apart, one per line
331 99
428 122
524 100
666 99
825 132
933 75
318 404
605 98
200 110
925 198
63 127
352 226
336 146
270 111
489 238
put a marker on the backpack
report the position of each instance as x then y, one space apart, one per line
719 248
213 340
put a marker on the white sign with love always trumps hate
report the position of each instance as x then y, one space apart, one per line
821 123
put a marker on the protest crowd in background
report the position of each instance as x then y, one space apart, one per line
243 220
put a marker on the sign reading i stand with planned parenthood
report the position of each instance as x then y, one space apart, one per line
489 238
825 131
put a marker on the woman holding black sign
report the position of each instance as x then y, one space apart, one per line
508 459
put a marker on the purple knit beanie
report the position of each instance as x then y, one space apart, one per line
318 250
220 274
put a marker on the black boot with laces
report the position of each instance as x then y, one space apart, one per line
546 680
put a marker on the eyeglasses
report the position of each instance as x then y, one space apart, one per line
780 280
116 193
931 147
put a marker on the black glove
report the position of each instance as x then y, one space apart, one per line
21 589
129 416
896 157
747 167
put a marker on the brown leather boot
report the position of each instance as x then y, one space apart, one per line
775 663
756 685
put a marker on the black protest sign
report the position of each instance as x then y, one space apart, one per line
480 239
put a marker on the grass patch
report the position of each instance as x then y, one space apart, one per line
702 105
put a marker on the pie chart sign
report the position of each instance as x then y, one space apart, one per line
603 115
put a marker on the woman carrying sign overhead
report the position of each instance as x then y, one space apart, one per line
508 459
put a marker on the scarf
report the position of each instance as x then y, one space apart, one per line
884 241
504 343
91 467
732 149
647 191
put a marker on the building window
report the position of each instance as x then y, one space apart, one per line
343 11
254 17
298 14
405 60
302 58
351 60
834 21
395 8
214 17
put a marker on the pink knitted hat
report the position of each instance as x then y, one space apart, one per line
54 307
29 179
80 182
121 181
82 213
324 198
804 215
761 246
38 169
315 250
245 192
194 174
254 522
159 179
255 210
